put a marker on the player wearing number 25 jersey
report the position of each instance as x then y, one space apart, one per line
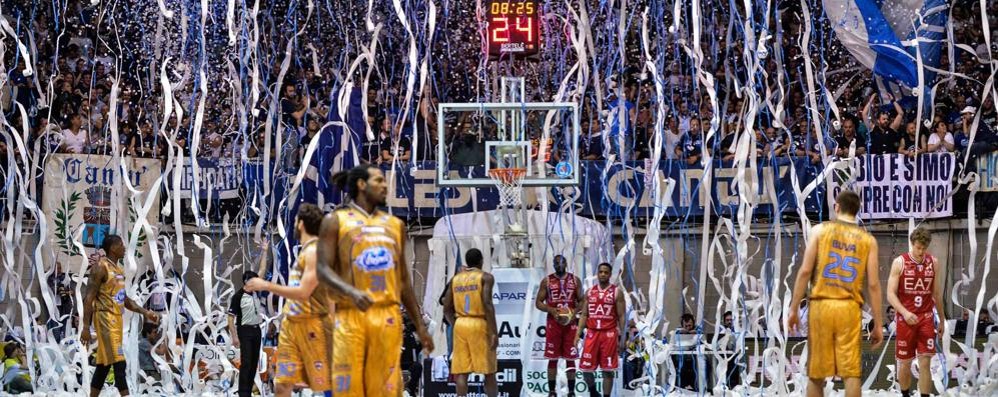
838 255
913 292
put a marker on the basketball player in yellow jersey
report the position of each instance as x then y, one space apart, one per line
475 334
102 307
304 349
838 254
364 246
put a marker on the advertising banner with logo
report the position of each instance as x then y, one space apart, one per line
86 200
894 186
217 178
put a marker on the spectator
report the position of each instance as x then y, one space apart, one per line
145 144
672 138
941 140
14 370
985 139
727 148
395 147
593 148
292 106
311 130
74 138
849 137
984 324
883 133
733 372
211 143
960 327
63 285
622 117
148 347
775 144
635 357
808 142
692 144
909 147
689 325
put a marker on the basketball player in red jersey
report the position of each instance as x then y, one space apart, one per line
603 321
913 292
559 297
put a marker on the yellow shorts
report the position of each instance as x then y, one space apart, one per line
473 351
109 328
303 352
367 349
833 340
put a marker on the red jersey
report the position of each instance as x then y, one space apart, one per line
562 291
602 310
915 285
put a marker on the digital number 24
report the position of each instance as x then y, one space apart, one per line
845 264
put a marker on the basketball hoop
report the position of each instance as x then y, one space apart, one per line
509 182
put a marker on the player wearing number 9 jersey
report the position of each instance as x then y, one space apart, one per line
468 305
913 292
363 246
837 256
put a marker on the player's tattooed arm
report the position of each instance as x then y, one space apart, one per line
326 263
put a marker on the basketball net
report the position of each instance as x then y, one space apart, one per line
509 182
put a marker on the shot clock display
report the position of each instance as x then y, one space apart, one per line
512 27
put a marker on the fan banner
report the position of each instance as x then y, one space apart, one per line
86 199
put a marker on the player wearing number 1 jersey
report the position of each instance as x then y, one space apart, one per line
603 321
468 305
837 256
913 293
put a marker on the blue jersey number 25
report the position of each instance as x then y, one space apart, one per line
846 273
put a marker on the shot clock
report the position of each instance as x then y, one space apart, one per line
513 28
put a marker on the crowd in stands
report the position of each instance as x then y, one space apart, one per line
75 60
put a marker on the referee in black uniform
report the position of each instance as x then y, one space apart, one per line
245 318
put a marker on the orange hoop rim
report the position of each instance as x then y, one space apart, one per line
507 175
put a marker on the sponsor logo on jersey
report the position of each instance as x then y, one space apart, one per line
375 259
119 297
373 229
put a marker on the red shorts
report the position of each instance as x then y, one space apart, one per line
600 350
558 340
915 339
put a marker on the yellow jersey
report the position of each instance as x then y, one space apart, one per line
370 254
466 287
840 262
111 293
318 303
